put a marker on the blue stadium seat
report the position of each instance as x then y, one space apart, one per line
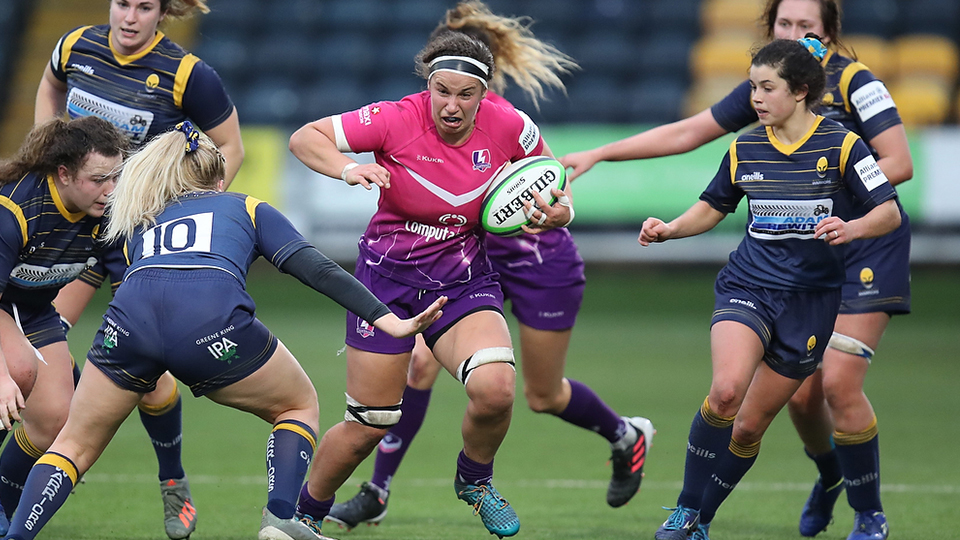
597 99
657 101
610 54
629 16
362 16
940 17
230 57
420 16
395 88
331 96
396 53
675 16
301 17
284 54
665 55
348 53
565 17
877 17
269 101
242 17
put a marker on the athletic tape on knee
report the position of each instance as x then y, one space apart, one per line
850 345
375 417
484 356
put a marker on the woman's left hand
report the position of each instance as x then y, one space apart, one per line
833 231
401 328
544 217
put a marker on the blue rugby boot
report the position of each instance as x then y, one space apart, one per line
818 511
495 512
869 526
701 532
681 524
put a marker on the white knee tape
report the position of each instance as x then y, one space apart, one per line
375 417
484 356
850 345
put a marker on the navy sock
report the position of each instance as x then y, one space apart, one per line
709 436
829 466
471 472
588 411
732 465
289 450
859 455
46 489
164 424
15 463
397 441
308 506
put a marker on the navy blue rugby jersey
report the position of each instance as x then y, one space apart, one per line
791 188
143 94
43 246
854 97
210 229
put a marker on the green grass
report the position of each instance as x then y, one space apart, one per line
642 343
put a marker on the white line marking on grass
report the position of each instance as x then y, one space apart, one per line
557 483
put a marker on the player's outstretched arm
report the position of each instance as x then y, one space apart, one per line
666 140
401 328
315 145
698 219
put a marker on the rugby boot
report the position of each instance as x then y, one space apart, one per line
628 462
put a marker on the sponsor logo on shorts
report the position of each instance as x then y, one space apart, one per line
429 231
747 303
482 295
110 339
365 329
481 160
551 314
223 350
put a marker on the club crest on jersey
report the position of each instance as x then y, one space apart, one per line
822 167
364 328
481 160
453 220
153 81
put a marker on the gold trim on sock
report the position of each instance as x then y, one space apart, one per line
745 451
848 439
298 429
60 462
713 418
25 444
163 408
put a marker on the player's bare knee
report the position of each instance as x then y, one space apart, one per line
746 432
542 402
725 400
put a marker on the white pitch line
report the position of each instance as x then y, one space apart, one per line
557 483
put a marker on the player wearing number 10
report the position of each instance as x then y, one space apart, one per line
182 307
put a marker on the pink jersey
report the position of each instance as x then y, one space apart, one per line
425 232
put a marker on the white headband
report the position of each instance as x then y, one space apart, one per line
463 65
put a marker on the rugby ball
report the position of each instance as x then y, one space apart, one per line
502 210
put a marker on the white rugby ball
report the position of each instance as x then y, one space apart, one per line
502 211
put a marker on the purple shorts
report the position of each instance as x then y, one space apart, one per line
481 293
544 296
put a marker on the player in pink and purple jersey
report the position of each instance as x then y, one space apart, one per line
543 277
436 153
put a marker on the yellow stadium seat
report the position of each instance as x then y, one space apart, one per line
874 52
927 55
704 93
721 54
921 101
737 16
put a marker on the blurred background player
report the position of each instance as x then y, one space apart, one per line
830 411
542 276
129 73
436 152
52 198
221 350
777 297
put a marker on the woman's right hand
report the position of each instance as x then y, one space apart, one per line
11 402
368 174
580 162
653 230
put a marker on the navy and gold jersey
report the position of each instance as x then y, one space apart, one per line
43 246
143 94
210 229
791 188
854 97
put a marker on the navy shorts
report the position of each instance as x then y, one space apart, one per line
878 274
481 293
794 326
544 296
41 324
198 324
